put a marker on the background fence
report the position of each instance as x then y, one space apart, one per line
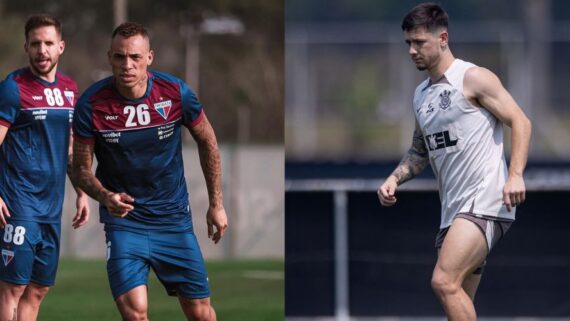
348 256
253 196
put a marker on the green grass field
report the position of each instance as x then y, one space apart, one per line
241 290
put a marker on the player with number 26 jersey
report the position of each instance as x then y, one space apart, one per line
124 131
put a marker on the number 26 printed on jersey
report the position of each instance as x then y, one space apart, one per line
140 112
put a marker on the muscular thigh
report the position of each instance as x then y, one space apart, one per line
127 260
178 263
463 250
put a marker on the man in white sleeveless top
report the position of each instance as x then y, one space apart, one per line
460 111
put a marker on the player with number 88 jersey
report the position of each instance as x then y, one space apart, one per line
36 111
34 153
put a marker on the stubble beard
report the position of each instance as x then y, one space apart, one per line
40 72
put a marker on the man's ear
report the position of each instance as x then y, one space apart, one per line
443 38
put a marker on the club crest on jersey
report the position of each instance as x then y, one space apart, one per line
70 96
7 256
445 101
163 108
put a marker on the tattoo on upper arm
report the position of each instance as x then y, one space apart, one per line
415 160
210 160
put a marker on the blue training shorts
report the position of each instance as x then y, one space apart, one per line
175 258
30 252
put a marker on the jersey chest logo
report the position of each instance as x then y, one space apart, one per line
163 108
70 96
445 101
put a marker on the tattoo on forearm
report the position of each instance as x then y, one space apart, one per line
69 165
210 160
82 174
415 160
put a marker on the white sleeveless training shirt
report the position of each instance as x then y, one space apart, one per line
465 145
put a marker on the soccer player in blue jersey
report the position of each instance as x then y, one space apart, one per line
133 123
36 109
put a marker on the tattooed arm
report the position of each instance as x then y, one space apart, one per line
203 134
81 202
413 163
118 204
4 213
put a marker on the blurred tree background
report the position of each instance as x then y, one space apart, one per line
239 76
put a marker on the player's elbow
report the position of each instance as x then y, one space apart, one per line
522 122
525 124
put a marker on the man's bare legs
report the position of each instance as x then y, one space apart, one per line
9 297
29 305
198 309
453 282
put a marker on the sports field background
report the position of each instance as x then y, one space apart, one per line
248 290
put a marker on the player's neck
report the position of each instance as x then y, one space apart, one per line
134 92
49 77
441 67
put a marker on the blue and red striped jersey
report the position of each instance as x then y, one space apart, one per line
138 147
33 156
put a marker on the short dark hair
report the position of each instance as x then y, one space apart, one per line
130 29
428 14
42 20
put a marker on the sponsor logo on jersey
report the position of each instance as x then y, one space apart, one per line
111 117
163 108
440 140
165 131
445 101
70 96
429 109
112 137
40 114
7 256
37 98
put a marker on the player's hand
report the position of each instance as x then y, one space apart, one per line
4 213
387 190
82 215
119 204
216 217
514 191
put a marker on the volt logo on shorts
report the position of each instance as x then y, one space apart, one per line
108 250
440 140
7 256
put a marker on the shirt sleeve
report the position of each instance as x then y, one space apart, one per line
9 102
192 112
83 121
